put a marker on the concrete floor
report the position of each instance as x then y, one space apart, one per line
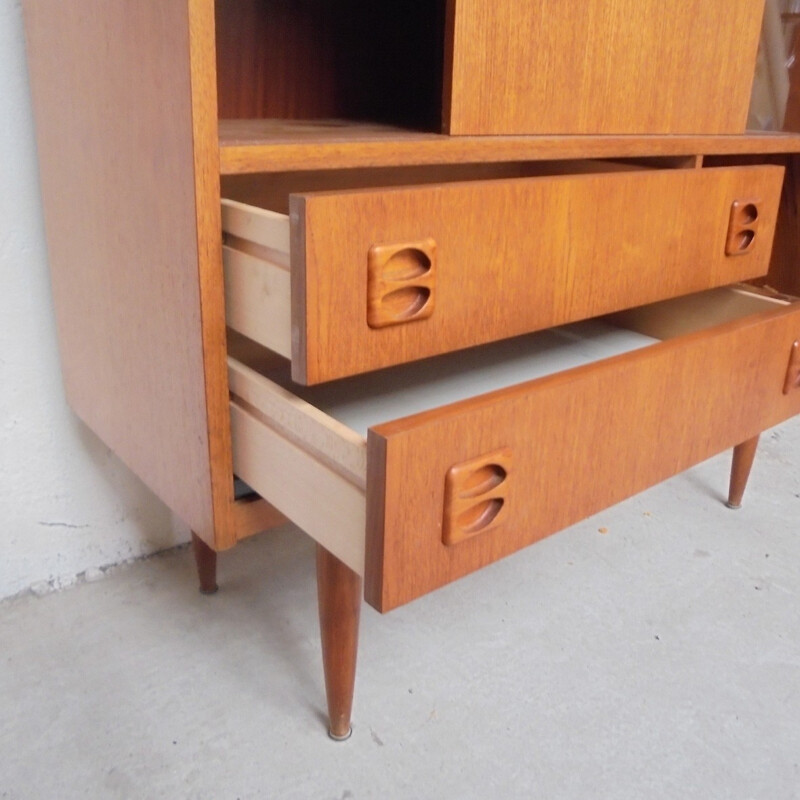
660 659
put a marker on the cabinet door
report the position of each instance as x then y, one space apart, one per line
599 66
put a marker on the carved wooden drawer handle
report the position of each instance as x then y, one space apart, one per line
476 496
743 227
401 282
793 372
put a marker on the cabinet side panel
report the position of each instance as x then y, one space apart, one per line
603 66
112 98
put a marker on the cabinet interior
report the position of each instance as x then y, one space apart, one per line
321 60
271 191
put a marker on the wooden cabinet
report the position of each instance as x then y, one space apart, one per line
199 336
477 67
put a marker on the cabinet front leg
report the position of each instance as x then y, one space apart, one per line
339 595
206 559
743 455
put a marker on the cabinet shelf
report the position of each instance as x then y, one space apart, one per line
272 145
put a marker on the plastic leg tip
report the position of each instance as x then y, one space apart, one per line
343 738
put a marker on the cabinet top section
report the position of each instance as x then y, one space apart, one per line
267 145
493 67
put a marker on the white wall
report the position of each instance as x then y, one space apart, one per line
66 504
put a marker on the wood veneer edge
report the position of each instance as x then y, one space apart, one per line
303 367
410 148
447 64
115 135
210 283
376 516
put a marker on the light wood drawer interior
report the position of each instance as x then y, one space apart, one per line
355 279
417 475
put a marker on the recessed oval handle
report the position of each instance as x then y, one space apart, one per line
483 480
744 239
405 264
401 282
476 496
748 214
405 303
480 516
742 227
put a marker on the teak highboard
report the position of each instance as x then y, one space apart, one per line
269 262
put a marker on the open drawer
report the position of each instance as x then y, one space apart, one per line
420 474
356 279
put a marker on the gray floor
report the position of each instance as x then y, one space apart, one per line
657 659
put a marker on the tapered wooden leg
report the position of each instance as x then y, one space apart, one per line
206 558
339 594
743 455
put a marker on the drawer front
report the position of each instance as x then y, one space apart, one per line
382 277
452 490
625 66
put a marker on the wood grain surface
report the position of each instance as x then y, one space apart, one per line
314 495
258 299
254 515
315 58
742 462
317 433
339 601
127 147
260 145
784 272
582 440
602 66
210 273
205 559
784 269
268 224
513 256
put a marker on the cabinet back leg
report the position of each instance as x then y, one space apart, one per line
743 455
206 559
339 595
